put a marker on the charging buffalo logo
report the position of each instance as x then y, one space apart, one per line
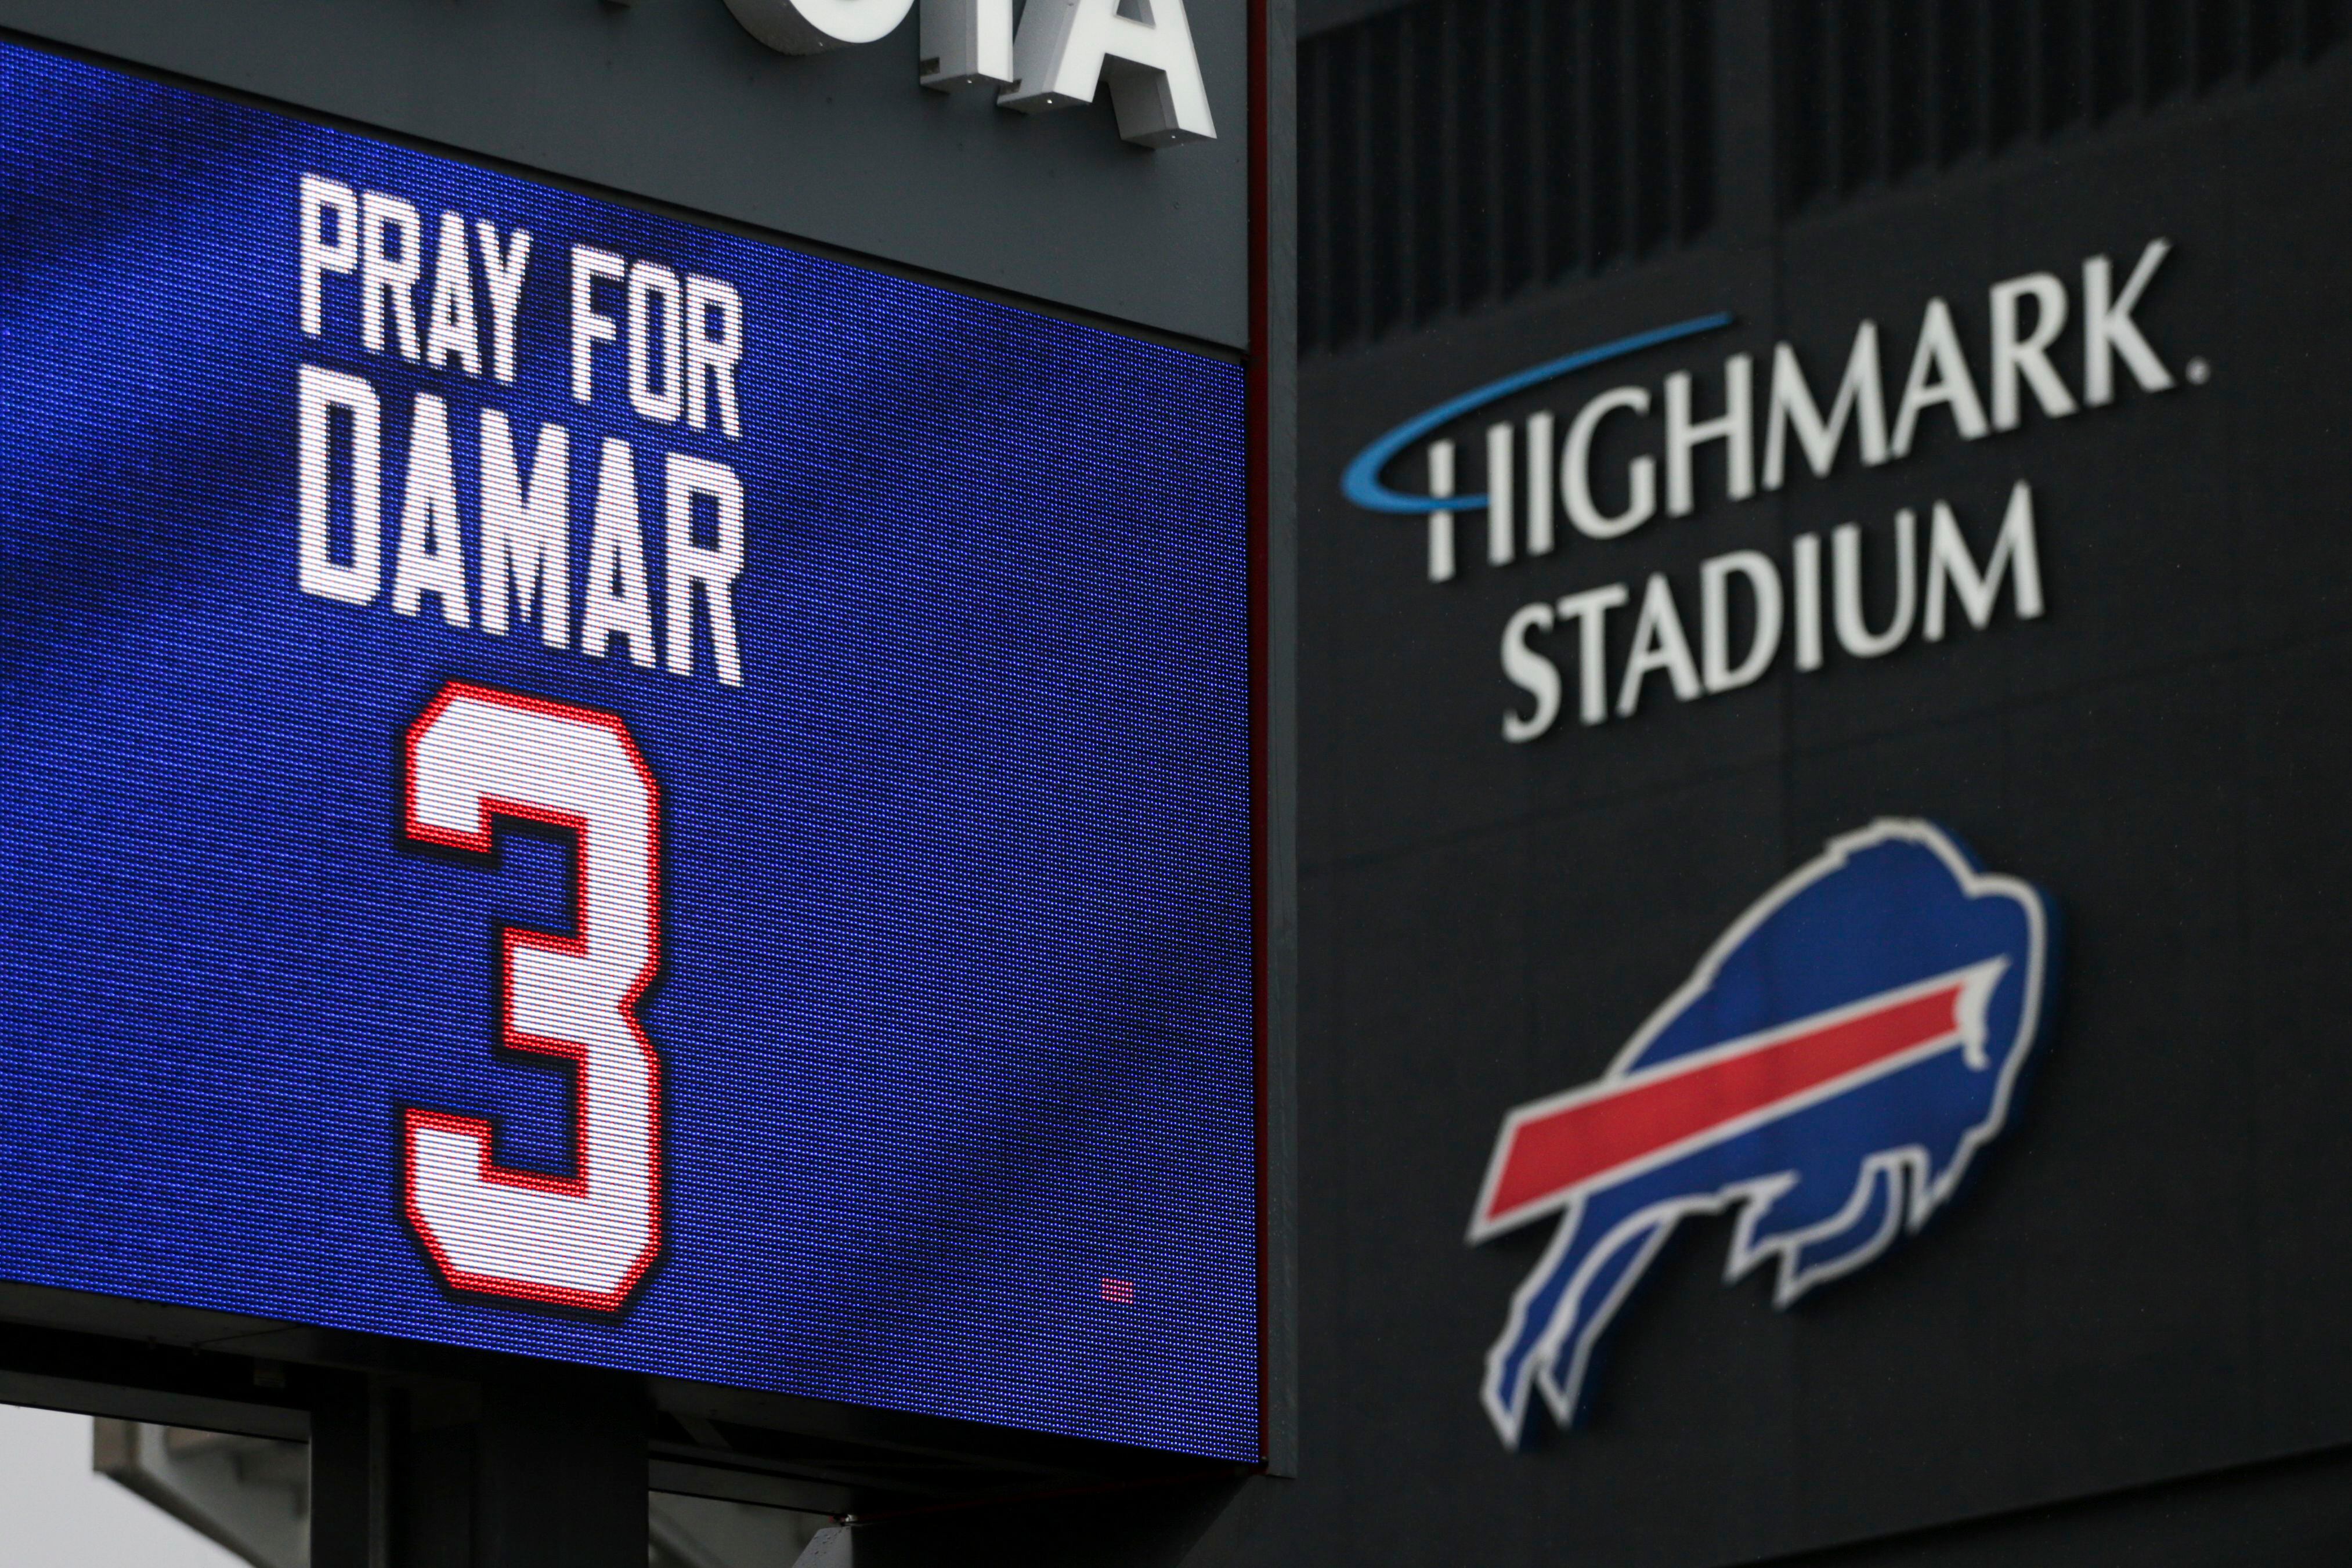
1828 1071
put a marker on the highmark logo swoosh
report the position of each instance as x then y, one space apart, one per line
1361 483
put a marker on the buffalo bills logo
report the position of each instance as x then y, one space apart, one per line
1828 1071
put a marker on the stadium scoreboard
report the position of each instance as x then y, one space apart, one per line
595 788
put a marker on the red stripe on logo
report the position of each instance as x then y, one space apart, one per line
1624 1123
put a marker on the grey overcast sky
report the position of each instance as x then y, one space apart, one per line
56 1514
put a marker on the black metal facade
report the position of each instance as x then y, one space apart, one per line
1877 93
1457 153
2120 1342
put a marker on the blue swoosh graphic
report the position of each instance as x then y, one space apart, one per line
1361 484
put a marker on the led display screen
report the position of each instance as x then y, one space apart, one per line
584 787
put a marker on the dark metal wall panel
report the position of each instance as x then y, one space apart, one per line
2106 1349
1457 153
1879 92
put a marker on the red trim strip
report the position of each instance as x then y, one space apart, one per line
1631 1121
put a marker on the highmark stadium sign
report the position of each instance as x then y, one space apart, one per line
589 787
1953 564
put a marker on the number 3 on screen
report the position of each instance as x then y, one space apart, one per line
584 1240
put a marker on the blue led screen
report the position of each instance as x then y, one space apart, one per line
589 787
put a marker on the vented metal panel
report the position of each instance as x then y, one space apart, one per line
1456 152
1876 91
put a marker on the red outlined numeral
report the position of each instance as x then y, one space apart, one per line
584 1240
